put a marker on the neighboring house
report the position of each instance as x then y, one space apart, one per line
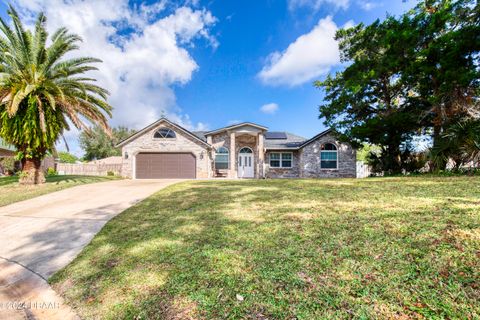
246 150
6 150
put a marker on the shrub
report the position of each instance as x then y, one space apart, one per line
8 164
110 173
51 172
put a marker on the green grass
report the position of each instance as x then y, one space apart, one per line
11 191
380 248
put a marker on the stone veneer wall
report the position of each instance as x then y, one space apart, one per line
182 143
223 140
293 172
250 142
310 160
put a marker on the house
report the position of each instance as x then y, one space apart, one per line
245 150
6 150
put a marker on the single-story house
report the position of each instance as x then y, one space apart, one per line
6 150
165 150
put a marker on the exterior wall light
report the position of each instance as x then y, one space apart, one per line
126 155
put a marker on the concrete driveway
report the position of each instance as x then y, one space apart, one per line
42 235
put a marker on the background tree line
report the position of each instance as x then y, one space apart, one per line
410 76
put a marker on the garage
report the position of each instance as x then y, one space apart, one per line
165 166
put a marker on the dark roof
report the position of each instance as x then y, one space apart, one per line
200 135
275 135
291 141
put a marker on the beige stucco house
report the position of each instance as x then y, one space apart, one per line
247 150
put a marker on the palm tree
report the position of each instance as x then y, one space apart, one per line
42 92
460 143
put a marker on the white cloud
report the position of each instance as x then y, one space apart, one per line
269 108
317 4
143 48
308 57
368 5
233 122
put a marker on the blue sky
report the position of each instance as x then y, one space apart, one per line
207 64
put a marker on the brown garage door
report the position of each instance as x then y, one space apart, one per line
165 166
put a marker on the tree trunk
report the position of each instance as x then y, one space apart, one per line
31 172
437 165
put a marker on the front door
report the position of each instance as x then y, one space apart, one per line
245 163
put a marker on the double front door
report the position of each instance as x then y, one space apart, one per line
245 163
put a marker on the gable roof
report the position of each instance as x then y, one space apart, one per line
291 141
315 138
236 126
200 135
156 123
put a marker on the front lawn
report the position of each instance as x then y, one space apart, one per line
385 248
11 191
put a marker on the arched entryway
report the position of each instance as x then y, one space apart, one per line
245 163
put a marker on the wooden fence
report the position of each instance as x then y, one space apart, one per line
88 169
363 170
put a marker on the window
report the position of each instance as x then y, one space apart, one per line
221 158
328 156
164 133
281 160
245 150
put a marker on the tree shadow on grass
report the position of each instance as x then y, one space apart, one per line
191 251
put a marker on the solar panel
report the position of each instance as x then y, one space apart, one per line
276 135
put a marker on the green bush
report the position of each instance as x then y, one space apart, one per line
51 172
8 164
110 173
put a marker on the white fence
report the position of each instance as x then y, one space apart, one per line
88 169
363 170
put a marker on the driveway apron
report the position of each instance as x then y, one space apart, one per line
40 236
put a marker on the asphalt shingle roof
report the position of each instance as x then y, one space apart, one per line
200 135
291 142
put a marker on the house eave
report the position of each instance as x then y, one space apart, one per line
156 123
314 138
236 126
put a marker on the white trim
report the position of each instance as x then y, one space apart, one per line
236 126
330 151
215 158
281 160
163 139
240 149
251 155
157 123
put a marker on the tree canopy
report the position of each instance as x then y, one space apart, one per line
98 145
406 76
42 91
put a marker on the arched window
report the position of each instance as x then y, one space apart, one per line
164 133
245 150
221 158
329 156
